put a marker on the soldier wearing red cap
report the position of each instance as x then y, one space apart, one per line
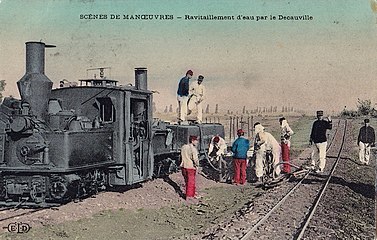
239 148
182 96
189 165
217 147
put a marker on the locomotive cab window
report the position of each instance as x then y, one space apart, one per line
106 110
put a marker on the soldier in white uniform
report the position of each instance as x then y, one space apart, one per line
197 93
217 147
264 141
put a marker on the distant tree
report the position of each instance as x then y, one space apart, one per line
228 111
349 113
166 109
243 109
373 113
171 108
364 107
217 108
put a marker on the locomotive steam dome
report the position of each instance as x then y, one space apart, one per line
35 87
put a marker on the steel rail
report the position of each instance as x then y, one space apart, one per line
262 220
281 201
312 211
22 214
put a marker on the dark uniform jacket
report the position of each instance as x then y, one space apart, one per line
366 135
240 147
319 128
183 87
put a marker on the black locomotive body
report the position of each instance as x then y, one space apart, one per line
61 144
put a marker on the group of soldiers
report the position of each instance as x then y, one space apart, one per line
264 144
191 96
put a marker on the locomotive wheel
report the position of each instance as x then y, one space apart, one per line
58 189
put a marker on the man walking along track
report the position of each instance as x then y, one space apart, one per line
318 140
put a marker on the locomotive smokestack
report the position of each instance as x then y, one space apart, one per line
141 81
34 86
35 57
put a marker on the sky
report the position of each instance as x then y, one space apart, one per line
324 63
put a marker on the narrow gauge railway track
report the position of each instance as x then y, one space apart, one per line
14 213
288 218
298 202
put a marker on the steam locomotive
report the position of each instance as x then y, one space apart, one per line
65 143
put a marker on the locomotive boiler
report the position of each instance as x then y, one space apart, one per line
60 144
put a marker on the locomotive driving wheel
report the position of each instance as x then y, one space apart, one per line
58 189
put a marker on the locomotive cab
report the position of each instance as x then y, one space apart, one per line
126 112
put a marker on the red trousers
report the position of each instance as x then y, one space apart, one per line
189 176
285 157
239 171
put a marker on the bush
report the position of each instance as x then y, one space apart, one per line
364 107
373 113
349 113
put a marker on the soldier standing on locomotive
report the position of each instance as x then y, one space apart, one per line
286 133
197 92
189 165
182 97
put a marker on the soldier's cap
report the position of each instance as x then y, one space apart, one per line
193 138
189 72
366 120
200 78
319 113
240 131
